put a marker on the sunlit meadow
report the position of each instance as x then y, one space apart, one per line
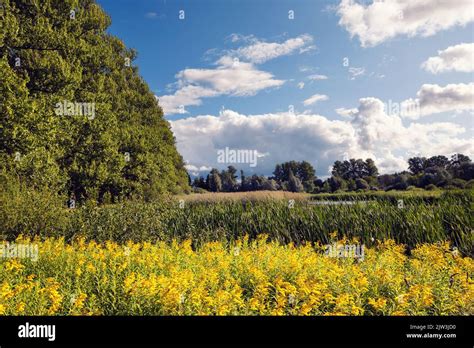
239 278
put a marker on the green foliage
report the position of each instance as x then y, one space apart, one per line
259 183
459 183
229 179
120 146
336 183
214 181
354 169
361 184
304 171
350 175
199 190
30 212
294 183
425 217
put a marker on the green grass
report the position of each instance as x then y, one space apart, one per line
423 219
391 195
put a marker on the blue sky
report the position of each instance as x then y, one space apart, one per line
229 73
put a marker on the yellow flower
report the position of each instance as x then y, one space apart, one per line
378 304
14 265
54 296
263 277
91 268
129 281
6 292
79 301
305 309
20 307
254 304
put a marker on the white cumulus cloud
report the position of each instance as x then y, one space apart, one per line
367 132
382 20
235 73
433 99
229 78
454 58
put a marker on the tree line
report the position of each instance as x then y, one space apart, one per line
348 175
58 53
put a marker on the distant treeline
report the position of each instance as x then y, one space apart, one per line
348 175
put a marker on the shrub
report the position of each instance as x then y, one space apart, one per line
27 211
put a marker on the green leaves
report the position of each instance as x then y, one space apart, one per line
58 52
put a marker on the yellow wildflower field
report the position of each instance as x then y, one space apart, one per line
241 278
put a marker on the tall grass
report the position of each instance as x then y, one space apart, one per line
421 220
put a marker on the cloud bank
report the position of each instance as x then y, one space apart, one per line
367 131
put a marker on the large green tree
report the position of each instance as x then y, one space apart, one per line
55 53
354 169
304 171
